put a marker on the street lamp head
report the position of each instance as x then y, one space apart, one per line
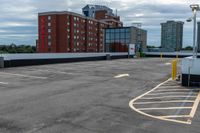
194 7
189 20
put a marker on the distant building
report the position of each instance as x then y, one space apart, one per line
90 10
118 39
102 13
198 36
172 35
62 32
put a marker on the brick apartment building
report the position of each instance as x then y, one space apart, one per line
65 32
103 14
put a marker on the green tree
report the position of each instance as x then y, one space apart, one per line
188 48
12 48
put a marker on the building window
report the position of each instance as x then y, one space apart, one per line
49 37
49 30
49 43
49 24
49 17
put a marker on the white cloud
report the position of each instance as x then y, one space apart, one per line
139 15
15 24
19 35
23 13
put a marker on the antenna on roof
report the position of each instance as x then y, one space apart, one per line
116 12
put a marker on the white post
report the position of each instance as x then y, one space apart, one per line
194 33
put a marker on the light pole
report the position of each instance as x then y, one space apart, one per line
195 8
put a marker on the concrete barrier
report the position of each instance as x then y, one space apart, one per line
14 60
169 54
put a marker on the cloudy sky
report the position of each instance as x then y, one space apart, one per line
18 19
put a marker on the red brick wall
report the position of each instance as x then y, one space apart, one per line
100 15
69 33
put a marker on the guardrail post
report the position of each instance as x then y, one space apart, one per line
174 69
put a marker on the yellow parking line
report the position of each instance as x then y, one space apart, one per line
151 90
181 96
177 121
122 75
196 103
166 108
170 86
158 102
21 75
167 93
177 90
175 116
156 117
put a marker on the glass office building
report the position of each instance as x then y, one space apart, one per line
118 39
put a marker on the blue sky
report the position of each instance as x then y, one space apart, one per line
18 19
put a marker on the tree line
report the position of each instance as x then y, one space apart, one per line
187 48
13 48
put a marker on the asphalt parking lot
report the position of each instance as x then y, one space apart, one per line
85 97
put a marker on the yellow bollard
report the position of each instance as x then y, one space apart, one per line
174 69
